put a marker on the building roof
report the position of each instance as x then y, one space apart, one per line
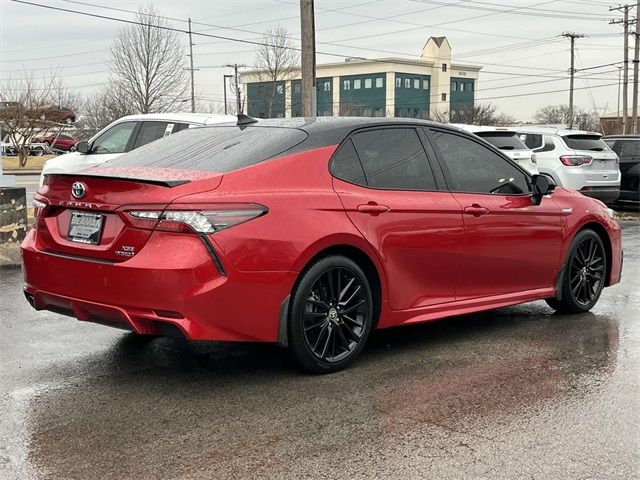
439 40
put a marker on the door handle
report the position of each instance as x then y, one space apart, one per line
372 208
476 210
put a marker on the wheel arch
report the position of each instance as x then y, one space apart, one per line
371 267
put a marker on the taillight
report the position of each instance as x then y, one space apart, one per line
210 219
38 208
576 160
534 159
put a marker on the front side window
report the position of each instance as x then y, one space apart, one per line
471 167
115 139
394 158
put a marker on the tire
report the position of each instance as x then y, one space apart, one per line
331 315
38 152
584 274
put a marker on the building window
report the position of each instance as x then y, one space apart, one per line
454 86
327 86
462 86
444 67
425 84
367 83
280 89
296 88
379 82
398 82
407 83
378 112
357 84
444 97
346 85
471 86
416 83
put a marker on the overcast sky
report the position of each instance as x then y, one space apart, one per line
516 41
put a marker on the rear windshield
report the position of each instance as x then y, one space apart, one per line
585 142
219 149
503 140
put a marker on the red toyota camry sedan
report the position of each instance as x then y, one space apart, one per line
311 233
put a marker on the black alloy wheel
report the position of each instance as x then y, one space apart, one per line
584 275
331 314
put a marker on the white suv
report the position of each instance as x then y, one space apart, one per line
575 159
508 142
125 134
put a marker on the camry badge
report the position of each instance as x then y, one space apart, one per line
78 189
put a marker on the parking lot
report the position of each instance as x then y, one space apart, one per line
513 393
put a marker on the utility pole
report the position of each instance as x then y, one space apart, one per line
572 71
235 67
625 74
619 82
308 36
224 81
193 95
636 58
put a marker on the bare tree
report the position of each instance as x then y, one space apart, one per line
276 60
29 107
480 114
102 108
148 63
560 114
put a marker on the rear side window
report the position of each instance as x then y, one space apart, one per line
394 158
220 149
531 140
503 140
473 168
626 148
150 131
585 142
346 165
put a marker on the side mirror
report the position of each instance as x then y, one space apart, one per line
541 185
82 147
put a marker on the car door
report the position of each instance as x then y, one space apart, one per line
389 191
512 244
110 144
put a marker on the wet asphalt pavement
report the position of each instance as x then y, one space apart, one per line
514 393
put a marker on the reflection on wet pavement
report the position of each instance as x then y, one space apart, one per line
513 393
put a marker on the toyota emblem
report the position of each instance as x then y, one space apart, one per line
78 189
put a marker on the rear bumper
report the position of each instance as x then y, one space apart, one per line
604 194
172 284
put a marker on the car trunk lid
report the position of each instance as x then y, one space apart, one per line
85 214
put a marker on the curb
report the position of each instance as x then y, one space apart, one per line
22 172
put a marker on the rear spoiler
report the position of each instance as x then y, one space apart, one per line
133 178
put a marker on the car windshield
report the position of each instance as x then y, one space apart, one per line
220 149
503 140
585 142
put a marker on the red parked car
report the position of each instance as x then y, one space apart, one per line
62 142
310 233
